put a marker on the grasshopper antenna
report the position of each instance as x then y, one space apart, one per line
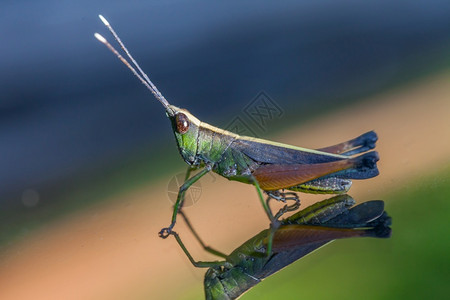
142 76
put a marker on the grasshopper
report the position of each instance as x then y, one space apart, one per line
270 166
298 235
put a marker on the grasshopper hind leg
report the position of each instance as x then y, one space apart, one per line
324 185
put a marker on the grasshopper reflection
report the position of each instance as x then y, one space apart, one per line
298 235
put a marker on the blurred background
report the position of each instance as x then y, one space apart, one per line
86 153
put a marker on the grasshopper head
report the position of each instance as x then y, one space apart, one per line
185 127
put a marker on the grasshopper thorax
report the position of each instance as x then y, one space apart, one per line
227 283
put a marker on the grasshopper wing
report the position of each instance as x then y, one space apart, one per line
280 176
268 152
360 144
361 215
289 237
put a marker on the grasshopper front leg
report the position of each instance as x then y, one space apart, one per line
165 232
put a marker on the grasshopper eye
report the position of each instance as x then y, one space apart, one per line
182 122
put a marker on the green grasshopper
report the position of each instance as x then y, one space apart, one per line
270 166
297 236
